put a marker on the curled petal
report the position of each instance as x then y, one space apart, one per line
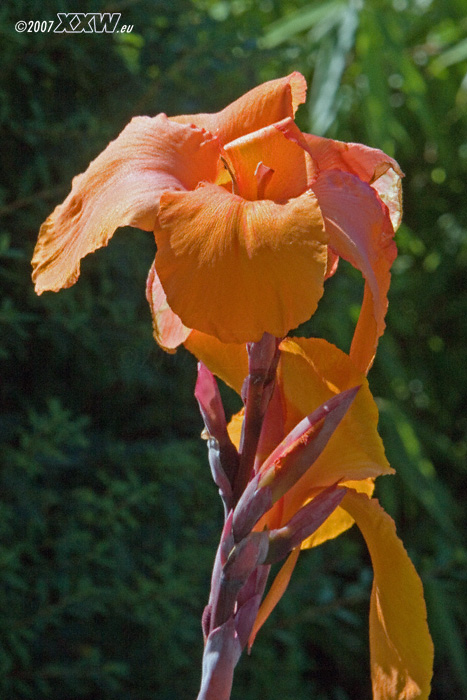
366 163
388 187
121 187
168 330
361 232
264 105
237 269
400 644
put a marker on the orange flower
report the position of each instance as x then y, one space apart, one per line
310 373
249 216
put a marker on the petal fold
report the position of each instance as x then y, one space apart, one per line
121 187
400 643
228 361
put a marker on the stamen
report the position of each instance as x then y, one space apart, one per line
263 175
231 173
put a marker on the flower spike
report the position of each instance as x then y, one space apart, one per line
289 461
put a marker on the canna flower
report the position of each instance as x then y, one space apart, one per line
249 214
310 373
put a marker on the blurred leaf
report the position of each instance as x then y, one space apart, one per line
331 61
323 14
449 643
416 471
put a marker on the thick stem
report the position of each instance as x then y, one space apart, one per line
257 392
221 654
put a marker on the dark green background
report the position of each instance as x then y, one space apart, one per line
108 517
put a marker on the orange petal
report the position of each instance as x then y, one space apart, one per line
311 371
400 644
236 269
368 164
121 187
361 232
275 593
264 105
168 330
279 147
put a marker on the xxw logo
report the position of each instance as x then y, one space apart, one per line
77 22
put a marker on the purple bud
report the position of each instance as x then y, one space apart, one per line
210 403
223 455
253 504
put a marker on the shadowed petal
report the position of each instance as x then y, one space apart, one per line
361 232
236 269
400 644
168 330
264 105
229 361
121 187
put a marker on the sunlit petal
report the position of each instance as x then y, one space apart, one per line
264 105
236 269
361 232
400 643
365 162
121 187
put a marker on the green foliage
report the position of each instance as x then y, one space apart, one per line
108 517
